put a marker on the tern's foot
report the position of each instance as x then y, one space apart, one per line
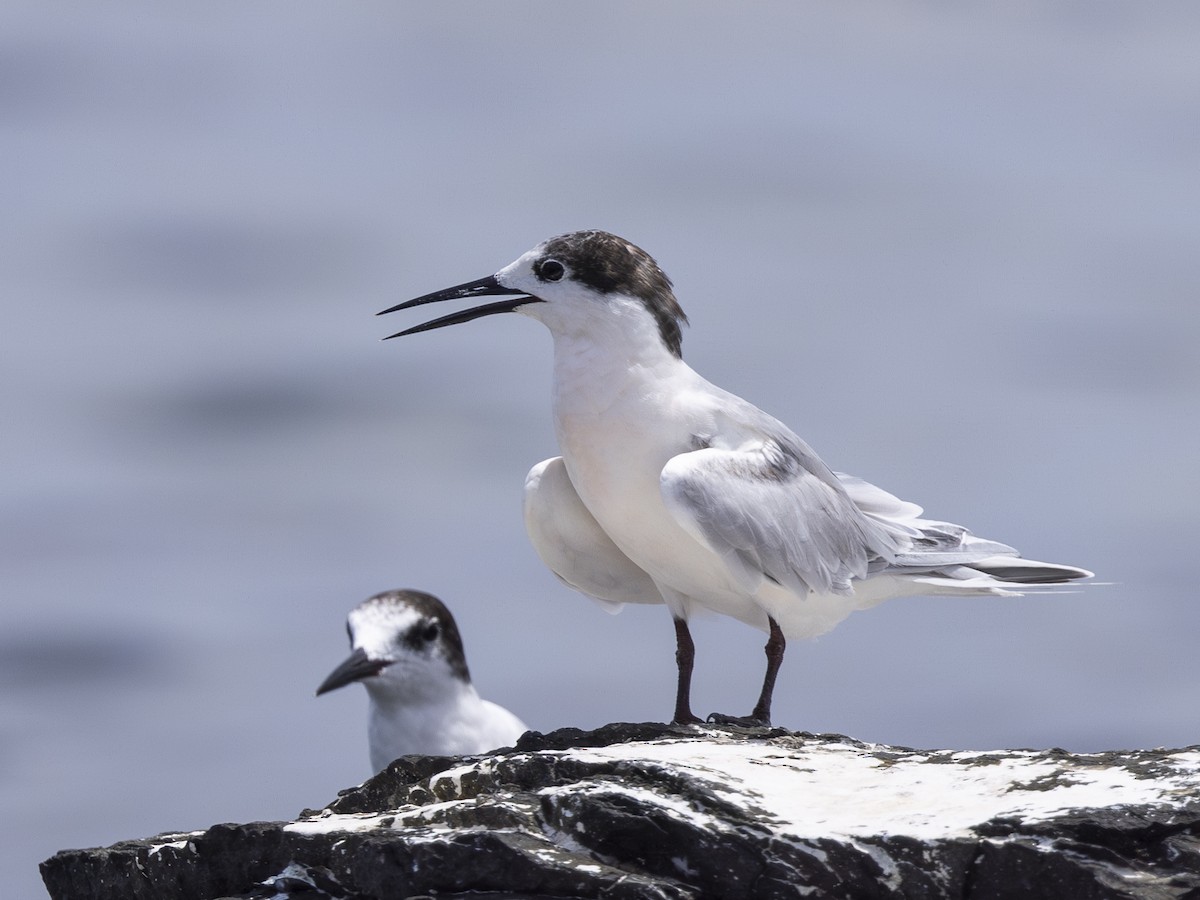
750 721
686 719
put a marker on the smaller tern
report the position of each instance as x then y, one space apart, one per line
409 656
672 490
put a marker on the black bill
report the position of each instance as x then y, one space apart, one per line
356 667
484 287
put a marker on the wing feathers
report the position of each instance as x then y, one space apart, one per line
768 515
573 545
768 509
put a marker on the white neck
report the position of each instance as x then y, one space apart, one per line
603 353
437 724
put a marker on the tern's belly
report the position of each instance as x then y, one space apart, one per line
616 470
620 487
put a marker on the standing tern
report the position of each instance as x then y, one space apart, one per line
409 656
672 490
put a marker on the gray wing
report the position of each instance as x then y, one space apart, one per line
770 507
573 545
931 543
937 546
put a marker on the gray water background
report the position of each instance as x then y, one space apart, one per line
955 249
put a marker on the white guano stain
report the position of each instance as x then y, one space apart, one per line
845 790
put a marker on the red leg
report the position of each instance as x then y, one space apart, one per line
685 655
774 650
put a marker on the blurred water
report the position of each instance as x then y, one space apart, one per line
953 249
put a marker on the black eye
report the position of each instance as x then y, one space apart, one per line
551 270
430 633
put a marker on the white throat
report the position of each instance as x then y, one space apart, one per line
433 723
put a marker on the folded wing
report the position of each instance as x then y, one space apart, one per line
772 511
574 547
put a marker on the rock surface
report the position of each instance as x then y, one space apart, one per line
661 811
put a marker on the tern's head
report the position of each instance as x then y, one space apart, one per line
405 646
571 283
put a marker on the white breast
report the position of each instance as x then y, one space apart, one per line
617 427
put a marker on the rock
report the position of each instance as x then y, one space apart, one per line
663 811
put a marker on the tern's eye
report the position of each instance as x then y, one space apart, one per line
551 270
429 633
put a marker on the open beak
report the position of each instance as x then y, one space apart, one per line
484 287
356 667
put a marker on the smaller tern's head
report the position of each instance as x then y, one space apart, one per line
570 283
406 648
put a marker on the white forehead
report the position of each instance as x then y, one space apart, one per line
522 265
375 625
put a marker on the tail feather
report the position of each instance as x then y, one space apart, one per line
1015 570
946 555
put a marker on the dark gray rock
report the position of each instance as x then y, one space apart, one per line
662 811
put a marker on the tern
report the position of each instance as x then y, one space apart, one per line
409 656
672 490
